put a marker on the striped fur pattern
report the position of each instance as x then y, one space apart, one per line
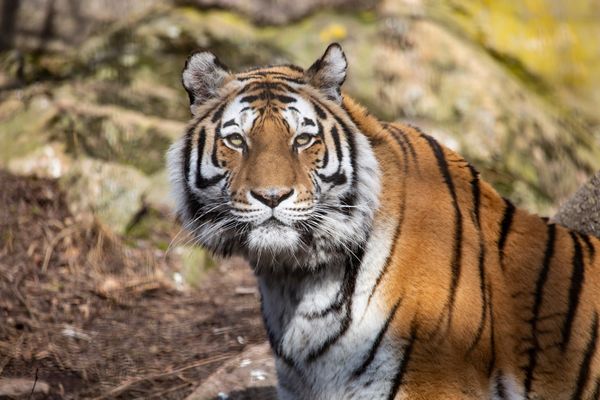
387 268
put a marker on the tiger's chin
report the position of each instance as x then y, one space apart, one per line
273 238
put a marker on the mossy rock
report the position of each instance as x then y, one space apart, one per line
113 193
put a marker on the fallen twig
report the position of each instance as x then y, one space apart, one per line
34 383
126 385
50 249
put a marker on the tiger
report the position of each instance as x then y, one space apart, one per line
387 268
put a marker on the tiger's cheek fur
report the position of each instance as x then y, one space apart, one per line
309 161
227 158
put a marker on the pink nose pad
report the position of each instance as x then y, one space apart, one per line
271 197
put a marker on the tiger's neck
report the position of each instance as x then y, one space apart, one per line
314 317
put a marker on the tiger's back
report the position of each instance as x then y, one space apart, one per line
504 301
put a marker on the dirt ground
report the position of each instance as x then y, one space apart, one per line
94 319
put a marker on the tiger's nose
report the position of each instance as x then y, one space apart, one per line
272 196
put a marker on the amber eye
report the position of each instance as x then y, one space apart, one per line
302 140
236 140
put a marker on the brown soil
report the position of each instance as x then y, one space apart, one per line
96 319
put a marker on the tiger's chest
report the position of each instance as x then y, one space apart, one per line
329 333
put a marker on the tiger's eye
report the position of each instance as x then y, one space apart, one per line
302 140
235 140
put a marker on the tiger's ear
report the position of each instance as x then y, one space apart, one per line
329 72
202 77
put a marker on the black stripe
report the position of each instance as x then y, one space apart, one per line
403 367
193 206
338 147
285 99
377 342
336 179
457 247
399 138
308 122
596 393
187 152
350 138
499 385
276 345
398 230
584 369
507 219
411 148
336 305
293 67
188 143
399 224
577 278
537 305
231 122
326 154
214 158
351 272
476 191
249 98
320 113
201 182
402 137
395 240
272 75
218 113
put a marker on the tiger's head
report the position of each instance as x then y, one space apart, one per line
272 167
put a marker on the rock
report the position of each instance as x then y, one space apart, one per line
530 149
23 121
114 134
195 260
582 211
281 12
159 193
49 161
544 42
19 387
112 192
248 376
59 24
123 103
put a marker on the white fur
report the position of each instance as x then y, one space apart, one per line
512 389
203 77
329 72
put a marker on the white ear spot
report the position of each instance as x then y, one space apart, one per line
202 77
329 72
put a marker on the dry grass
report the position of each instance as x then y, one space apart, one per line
97 319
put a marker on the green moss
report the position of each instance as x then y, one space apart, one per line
23 131
195 262
538 40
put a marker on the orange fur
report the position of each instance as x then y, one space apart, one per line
449 365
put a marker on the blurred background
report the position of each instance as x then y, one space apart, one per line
101 294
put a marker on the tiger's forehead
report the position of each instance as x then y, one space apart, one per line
283 72
267 96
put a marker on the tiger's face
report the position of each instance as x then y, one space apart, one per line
272 167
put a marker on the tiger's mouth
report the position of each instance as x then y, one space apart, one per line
274 222
274 236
